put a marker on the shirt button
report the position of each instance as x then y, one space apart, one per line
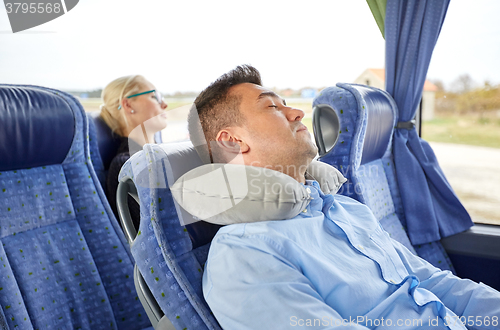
360 247
392 281
304 211
308 190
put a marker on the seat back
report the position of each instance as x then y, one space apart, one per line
65 261
104 144
107 142
170 255
95 154
364 155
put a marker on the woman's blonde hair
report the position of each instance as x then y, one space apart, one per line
113 94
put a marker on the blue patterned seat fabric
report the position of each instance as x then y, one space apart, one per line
170 263
64 261
104 144
95 155
364 155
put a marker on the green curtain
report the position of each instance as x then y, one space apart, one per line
378 10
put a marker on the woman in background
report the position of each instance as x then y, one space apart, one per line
134 110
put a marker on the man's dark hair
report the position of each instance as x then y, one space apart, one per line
217 108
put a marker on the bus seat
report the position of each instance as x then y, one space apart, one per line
363 154
169 255
95 155
106 142
65 261
171 245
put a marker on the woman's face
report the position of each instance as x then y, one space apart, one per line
147 110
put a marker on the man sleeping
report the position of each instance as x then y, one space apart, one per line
330 265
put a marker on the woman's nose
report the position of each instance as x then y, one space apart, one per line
163 105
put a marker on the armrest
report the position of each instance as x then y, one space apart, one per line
479 241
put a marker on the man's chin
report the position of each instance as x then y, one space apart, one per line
312 151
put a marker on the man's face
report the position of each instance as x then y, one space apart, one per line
273 131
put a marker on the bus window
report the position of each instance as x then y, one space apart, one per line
464 130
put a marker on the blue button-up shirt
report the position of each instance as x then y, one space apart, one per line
334 265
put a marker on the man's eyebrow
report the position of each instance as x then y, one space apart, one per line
268 93
271 94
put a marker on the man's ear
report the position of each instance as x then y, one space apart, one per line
230 142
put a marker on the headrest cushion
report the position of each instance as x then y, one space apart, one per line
227 193
37 127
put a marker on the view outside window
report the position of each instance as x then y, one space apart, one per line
320 45
464 129
461 98
465 135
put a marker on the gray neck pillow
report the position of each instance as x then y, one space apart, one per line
226 193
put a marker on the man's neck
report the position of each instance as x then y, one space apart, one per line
301 178
298 172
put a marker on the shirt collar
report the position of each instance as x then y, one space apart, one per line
320 201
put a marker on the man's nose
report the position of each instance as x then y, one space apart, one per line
294 114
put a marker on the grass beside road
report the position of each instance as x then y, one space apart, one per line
464 129
471 130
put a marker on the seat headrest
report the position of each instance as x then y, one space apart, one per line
37 127
370 111
326 126
380 110
107 141
182 157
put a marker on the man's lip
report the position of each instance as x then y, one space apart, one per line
302 128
